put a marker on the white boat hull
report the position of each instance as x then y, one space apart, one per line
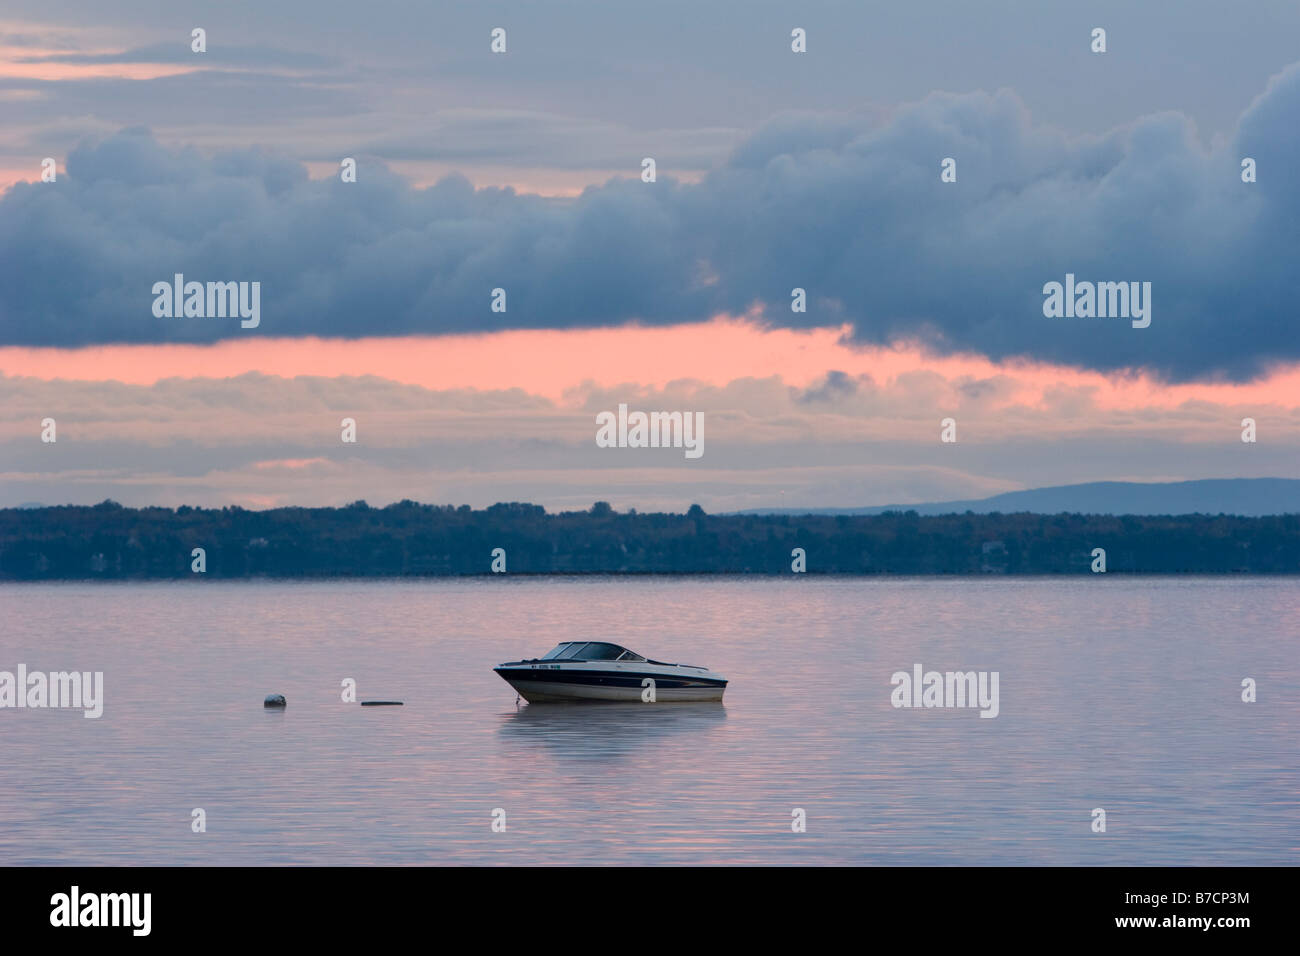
547 680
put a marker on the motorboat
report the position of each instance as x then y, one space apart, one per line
599 670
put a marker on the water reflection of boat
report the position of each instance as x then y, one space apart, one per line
582 729
599 670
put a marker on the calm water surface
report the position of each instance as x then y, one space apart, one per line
1117 692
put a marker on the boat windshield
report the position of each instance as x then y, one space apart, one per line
591 651
600 651
559 650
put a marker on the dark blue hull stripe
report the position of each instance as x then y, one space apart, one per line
604 678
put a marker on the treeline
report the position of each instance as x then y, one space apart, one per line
108 541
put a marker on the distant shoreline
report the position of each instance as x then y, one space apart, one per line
196 579
407 539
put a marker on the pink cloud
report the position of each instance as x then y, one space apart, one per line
552 363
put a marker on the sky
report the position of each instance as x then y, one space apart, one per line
924 299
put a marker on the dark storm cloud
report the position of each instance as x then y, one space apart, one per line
851 211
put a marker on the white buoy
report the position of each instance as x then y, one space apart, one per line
274 700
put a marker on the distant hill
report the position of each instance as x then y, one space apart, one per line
1249 497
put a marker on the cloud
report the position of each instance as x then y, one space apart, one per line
849 208
558 141
179 52
835 384
184 101
257 439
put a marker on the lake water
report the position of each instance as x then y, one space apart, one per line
1115 692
